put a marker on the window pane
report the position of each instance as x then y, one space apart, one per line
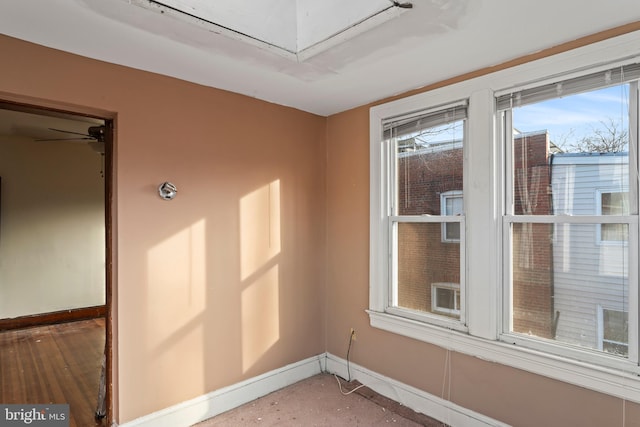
615 332
614 232
618 349
565 149
428 164
533 310
560 278
452 205
615 326
424 260
445 298
452 232
614 203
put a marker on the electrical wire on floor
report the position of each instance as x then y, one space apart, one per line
340 386
351 338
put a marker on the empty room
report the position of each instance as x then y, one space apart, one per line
206 202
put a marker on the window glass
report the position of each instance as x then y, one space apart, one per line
427 214
429 163
445 298
451 204
615 330
569 159
614 203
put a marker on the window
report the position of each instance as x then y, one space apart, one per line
612 203
613 331
424 221
541 182
557 272
445 298
451 204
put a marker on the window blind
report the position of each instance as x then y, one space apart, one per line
418 122
598 80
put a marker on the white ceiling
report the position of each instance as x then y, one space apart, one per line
433 41
296 29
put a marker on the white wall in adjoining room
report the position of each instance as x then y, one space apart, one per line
52 233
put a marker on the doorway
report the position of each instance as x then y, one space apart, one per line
55 244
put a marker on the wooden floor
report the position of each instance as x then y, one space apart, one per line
54 364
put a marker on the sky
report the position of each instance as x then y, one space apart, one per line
572 117
567 119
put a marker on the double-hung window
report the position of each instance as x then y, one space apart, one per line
504 217
571 215
451 203
424 216
612 202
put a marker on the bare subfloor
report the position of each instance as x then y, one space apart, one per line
318 401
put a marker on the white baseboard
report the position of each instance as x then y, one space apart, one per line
411 397
211 404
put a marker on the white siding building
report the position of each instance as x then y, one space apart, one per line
590 260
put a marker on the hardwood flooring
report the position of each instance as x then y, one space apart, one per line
54 364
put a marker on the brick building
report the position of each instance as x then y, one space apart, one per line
429 182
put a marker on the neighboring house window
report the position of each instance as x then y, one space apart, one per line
451 205
533 251
445 298
612 203
613 331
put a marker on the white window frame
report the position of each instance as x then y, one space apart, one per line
484 208
453 194
600 330
599 239
509 219
455 288
389 296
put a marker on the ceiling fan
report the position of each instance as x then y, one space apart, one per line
95 137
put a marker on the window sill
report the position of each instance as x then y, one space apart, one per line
621 384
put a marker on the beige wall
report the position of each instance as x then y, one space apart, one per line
226 281
52 227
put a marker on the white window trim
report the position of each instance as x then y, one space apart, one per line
599 193
389 294
483 205
455 287
453 194
600 330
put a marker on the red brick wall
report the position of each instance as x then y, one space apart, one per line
423 177
423 257
532 250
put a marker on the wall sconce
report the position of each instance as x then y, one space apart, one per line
167 190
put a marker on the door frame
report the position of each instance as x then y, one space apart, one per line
109 121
